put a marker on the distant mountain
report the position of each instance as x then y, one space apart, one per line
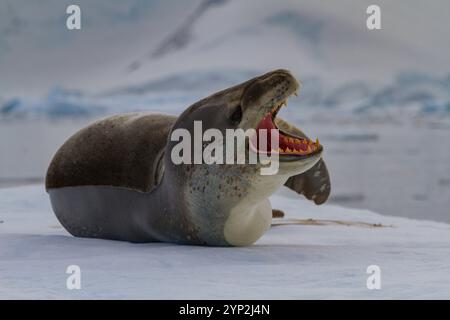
411 94
148 54
180 38
194 81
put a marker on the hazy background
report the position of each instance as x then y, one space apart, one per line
378 100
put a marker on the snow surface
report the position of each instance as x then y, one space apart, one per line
289 261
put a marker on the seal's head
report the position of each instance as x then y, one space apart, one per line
260 102
254 105
229 201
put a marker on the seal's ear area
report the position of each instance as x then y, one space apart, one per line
314 184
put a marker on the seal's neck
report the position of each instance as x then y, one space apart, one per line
251 217
217 205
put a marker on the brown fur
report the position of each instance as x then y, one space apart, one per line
121 151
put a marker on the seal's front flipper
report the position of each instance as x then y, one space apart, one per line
314 184
277 213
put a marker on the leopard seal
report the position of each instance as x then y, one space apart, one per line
115 179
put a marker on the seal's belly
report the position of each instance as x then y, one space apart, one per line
100 212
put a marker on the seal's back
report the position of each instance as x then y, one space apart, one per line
122 151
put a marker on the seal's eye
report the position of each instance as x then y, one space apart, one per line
236 116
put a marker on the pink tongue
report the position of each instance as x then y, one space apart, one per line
266 123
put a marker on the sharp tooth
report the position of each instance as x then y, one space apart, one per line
280 150
288 150
286 139
291 140
317 141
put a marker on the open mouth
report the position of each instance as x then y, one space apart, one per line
289 145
